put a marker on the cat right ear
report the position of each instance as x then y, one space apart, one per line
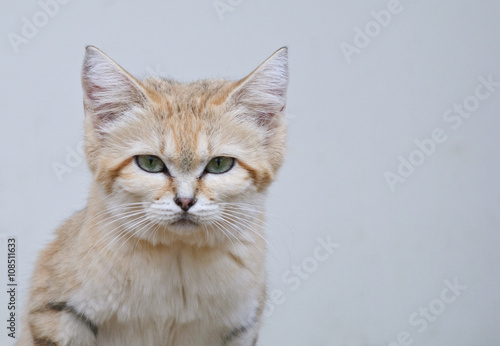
108 90
263 92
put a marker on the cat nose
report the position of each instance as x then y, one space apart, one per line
185 203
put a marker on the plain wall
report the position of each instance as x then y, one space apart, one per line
364 96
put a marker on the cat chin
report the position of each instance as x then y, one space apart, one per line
184 226
187 234
185 223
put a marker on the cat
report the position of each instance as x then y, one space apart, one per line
170 249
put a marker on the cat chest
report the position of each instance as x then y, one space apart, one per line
173 287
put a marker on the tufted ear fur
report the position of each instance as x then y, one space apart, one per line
108 90
263 92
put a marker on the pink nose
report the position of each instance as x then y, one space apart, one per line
185 203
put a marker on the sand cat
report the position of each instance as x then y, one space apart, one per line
170 248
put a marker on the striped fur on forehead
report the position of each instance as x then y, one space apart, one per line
195 95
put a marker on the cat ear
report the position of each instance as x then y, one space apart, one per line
263 92
108 90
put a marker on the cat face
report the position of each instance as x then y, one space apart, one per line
183 158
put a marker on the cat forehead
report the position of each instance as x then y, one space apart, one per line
198 145
186 138
188 108
189 118
206 92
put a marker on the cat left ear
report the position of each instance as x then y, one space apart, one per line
263 91
108 90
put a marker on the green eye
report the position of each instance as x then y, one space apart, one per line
220 165
150 163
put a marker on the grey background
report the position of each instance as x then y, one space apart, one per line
348 124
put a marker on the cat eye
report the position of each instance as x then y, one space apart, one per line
150 163
220 164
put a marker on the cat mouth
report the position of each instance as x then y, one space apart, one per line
184 221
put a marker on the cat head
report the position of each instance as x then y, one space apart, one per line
183 159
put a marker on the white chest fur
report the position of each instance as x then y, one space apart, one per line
172 296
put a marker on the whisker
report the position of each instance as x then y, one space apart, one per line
240 221
129 214
123 231
257 219
226 232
